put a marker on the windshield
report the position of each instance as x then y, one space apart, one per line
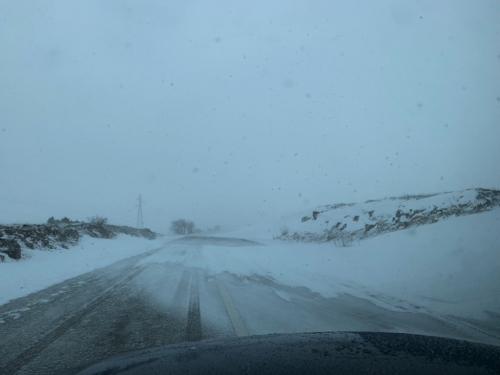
176 171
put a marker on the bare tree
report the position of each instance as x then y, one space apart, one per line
182 226
97 220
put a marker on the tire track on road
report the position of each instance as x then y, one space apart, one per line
182 290
193 328
187 295
29 354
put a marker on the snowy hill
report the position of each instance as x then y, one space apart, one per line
14 239
344 223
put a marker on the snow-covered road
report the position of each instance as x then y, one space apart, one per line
171 294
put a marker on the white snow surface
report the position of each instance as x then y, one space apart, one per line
41 269
451 267
383 209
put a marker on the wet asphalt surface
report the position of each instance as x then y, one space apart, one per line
127 306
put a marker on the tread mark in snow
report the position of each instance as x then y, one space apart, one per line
29 354
193 328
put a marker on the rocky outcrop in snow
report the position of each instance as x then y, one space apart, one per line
13 238
344 223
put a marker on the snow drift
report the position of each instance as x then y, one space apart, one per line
346 223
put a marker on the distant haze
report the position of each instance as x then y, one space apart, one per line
230 112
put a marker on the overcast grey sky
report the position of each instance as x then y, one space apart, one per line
228 112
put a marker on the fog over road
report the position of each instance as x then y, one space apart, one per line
134 304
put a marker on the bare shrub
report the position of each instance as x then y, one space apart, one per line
182 226
97 220
343 240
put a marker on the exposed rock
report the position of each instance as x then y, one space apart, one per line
11 248
468 202
368 227
60 235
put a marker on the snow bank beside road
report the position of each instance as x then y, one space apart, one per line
357 221
45 268
450 267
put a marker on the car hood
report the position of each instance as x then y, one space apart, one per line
310 353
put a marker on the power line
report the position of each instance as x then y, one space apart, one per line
140 222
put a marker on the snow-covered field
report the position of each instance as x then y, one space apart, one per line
451 267
371 218
41 269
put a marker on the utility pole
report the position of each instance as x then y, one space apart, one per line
140 223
